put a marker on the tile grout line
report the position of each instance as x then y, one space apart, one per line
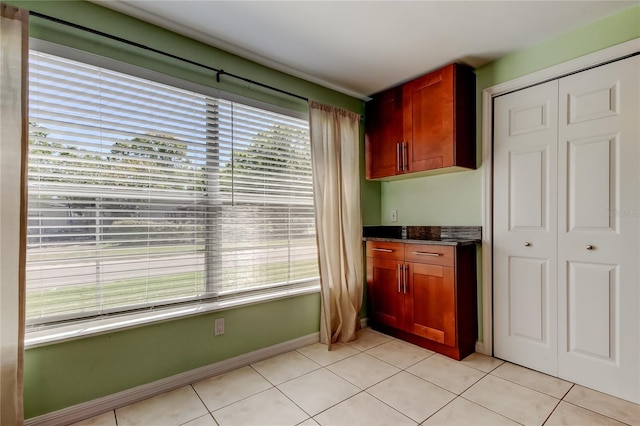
230 404
595 412
527 387
294 403
336 404
567 392
475 403
489 409
551 413
203 403
204 415
520 385
473 384
534 371
441 387
480 369
394 409
331 363
440 409
484 374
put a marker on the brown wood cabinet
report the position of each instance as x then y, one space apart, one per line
425 294
425 126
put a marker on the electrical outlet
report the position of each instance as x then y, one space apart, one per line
219 327
394 215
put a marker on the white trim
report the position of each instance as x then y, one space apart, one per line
364 322
569 67
82 329
97 406
481 349
553 72
486 346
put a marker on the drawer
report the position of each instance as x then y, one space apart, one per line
385 250
433 255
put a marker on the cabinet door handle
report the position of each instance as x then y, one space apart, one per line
425 253
404 154
398 161
405 269
383 250
399 276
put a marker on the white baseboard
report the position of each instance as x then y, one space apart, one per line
364 322
480 348
97 406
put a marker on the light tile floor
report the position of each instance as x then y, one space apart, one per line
377 380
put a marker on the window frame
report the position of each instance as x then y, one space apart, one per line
38 335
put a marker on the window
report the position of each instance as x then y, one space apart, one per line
143 194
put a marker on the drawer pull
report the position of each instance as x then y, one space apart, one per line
383 250
425 253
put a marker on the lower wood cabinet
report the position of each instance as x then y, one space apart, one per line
424 294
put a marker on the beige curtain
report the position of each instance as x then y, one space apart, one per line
335 156
13 144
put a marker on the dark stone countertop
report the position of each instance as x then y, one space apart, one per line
442 242
435 235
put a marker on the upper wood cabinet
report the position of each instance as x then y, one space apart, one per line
426 126
384 131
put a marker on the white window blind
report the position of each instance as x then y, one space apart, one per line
143 195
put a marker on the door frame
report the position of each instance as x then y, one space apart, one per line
554 72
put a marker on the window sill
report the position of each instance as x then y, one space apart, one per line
34 339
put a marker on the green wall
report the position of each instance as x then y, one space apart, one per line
449 199
455 199
67 373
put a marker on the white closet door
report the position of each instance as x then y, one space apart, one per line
525 227
599 228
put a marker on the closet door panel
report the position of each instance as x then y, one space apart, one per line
592 331
528 290
525 227
593 174
599 228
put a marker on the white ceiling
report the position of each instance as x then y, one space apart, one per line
362 47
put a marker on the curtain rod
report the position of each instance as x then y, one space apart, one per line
219 72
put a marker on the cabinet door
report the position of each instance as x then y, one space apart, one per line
428 120
430 302
383 134
384 292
